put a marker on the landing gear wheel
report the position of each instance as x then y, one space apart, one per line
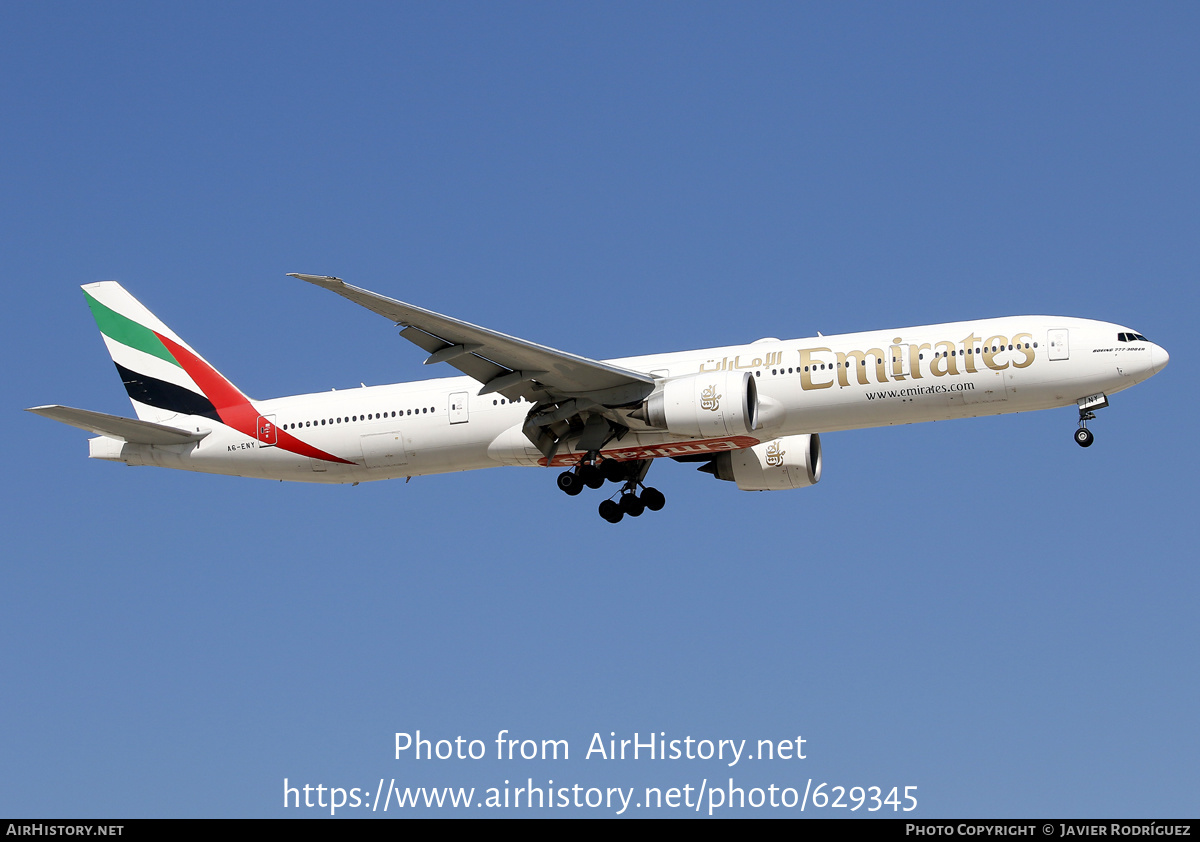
654 499
632 506
1084 437
612 470
591 476
611 512
570 482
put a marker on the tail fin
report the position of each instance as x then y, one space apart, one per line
164 376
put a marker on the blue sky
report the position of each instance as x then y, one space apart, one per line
978 608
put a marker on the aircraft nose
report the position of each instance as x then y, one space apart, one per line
1158 358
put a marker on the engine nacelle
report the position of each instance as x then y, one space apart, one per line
706 405
788 462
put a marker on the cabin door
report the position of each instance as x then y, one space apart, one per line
458 408
1059 347
266 432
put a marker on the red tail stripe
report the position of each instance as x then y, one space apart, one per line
235 409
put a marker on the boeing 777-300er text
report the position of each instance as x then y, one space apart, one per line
752 414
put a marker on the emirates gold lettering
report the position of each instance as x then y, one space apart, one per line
969 343
858 361
914 359
808 367
709 399
945 360
943 363
993 346
1022 342
897 351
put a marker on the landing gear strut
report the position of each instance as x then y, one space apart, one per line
630 502
593 473
585 473
1083 436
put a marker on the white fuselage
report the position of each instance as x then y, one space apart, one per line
813 385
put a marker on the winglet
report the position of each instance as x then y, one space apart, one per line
327 281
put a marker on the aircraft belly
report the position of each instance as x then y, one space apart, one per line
383 450
444 460
986 387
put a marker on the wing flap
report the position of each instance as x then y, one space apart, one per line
114 426
468 363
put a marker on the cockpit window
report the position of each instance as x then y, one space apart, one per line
1131 337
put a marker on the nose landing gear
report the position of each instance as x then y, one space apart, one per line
1083 436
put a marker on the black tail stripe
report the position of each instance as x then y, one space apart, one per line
164 395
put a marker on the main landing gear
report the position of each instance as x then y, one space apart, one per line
594 474
631 504
1083 436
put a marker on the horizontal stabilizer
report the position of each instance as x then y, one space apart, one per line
114 426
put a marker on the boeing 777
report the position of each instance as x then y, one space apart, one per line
751 414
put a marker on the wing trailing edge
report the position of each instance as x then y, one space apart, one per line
506 364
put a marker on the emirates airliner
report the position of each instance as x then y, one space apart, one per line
751 414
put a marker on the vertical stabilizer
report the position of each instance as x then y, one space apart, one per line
163 375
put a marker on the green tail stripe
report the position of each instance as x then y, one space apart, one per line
128 332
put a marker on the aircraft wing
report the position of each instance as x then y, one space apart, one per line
505 364
114 426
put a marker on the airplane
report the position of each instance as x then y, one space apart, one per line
750 414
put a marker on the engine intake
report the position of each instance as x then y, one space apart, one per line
719 403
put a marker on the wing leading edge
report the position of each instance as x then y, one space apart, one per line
513 367
568 393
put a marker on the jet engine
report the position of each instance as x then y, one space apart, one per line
787 462
705 405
